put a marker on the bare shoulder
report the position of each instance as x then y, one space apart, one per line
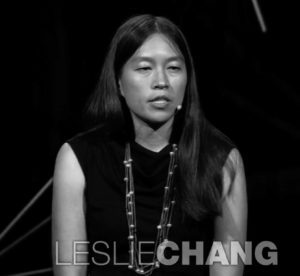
236 157
233 172
68 171
65 153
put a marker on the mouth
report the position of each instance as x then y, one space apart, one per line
160 102
160 99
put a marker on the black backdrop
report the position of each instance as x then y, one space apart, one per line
248 87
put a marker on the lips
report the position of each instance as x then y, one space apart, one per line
161 98
160 102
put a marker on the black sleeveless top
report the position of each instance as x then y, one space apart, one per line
101 156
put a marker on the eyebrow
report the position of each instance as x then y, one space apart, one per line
150 59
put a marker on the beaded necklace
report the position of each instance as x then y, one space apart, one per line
165 220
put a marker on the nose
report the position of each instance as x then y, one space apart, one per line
160 80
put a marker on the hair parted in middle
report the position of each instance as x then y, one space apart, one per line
200 162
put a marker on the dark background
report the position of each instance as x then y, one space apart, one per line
248 84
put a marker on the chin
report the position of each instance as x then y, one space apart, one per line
159 120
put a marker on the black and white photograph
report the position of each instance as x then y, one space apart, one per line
150 138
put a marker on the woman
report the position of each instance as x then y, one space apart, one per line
151 187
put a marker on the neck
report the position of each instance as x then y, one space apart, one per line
152 138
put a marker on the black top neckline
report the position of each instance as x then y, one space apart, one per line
138 147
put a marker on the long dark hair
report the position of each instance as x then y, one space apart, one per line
202 148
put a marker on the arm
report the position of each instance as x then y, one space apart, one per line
68 218
232 224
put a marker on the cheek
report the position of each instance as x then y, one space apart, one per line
133 90
133 85
179 85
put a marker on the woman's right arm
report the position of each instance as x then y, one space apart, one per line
68 215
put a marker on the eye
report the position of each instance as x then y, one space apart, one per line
144 69
174 68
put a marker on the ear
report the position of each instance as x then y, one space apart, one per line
120 87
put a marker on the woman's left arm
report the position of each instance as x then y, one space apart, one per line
231 225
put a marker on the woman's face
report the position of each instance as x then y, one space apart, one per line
153 81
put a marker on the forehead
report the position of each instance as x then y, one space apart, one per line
158 45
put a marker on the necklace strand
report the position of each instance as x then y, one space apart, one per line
164 225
